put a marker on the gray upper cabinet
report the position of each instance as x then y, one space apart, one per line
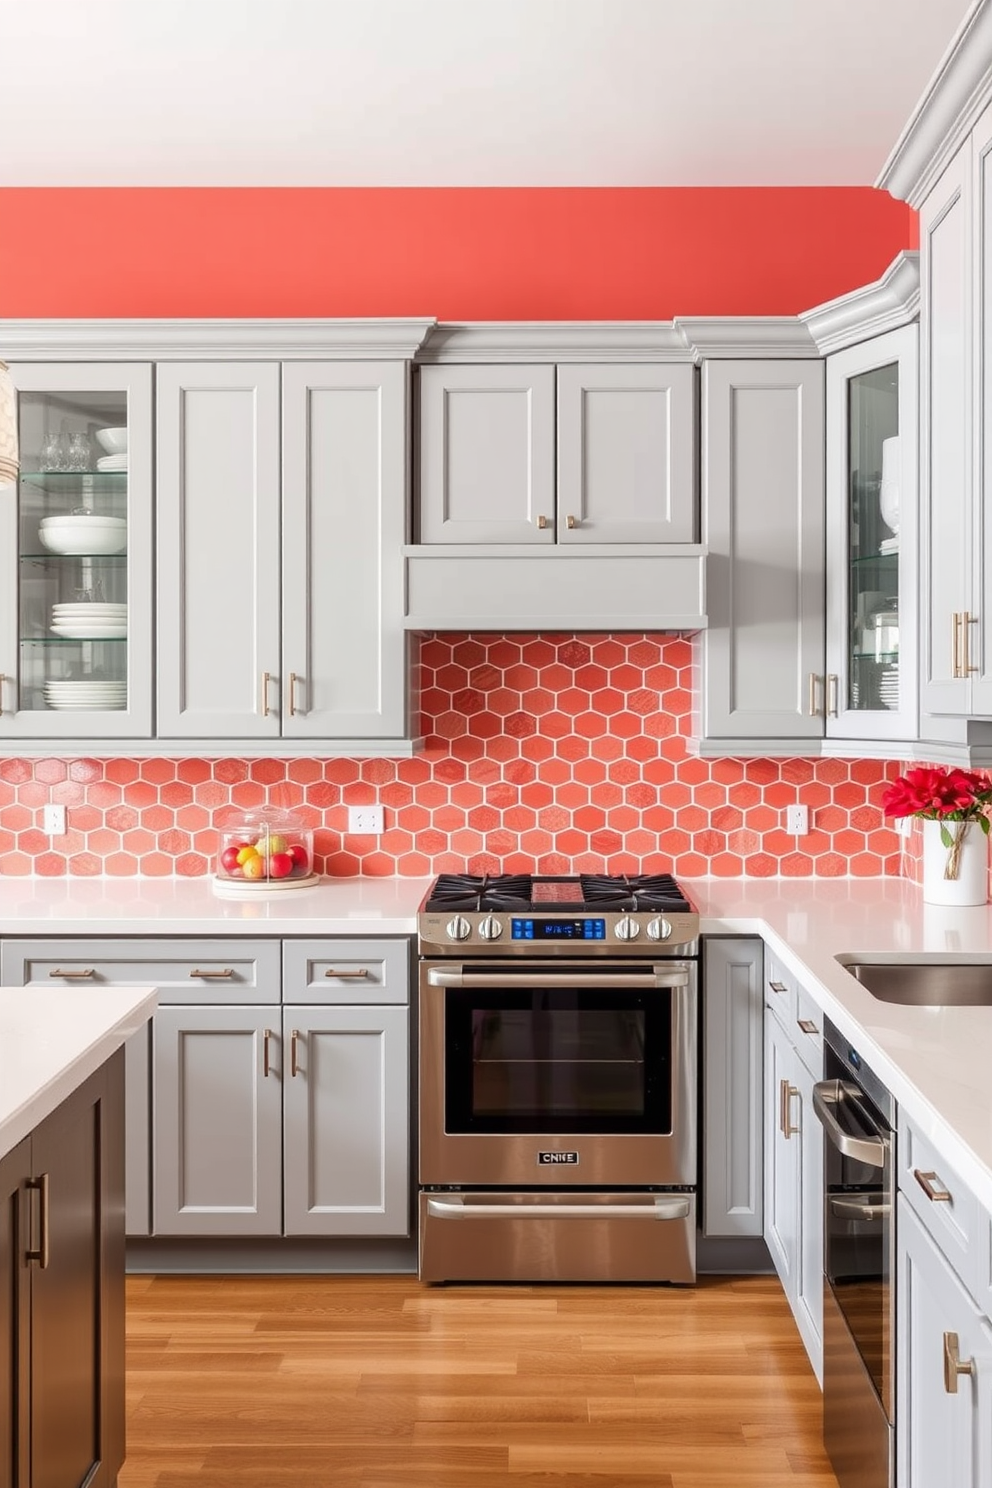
282 499
578 453
762 511
487 454
218 549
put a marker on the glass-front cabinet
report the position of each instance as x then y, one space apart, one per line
75 538
871 673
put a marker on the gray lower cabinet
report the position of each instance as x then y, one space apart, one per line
762 498
62 1293
793 1189
733 1010
943 1416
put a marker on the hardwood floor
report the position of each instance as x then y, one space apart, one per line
378 1382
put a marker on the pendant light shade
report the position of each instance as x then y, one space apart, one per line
8 428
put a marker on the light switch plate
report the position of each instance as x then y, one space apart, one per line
365 821
797 820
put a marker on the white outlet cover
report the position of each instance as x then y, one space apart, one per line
365 821
797 820
54 820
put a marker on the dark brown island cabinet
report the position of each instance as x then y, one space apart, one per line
62 1293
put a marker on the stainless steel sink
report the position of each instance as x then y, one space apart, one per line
926 983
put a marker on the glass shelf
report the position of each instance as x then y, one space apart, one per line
888 561
73 640
75 557
68 482
886 658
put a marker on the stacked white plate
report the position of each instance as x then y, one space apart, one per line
84 621
92 696
888 687
112 462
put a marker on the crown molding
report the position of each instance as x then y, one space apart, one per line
554 341
192 340
745 336
892 301
955 96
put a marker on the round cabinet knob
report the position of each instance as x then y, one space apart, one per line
659 929
627 928
459 928
490 928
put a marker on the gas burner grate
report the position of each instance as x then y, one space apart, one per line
647 891
474 891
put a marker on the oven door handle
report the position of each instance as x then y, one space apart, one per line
665 1206
869 1150
457 976
859 1209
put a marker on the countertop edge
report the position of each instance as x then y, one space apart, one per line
59 1072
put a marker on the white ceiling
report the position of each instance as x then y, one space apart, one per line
461 92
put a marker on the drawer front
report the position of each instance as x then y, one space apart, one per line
780 991
346 971
807 1032
941 1200
184 971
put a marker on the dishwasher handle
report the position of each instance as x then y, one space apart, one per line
663 1207
827 1096
651 978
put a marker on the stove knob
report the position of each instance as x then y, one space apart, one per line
627 928
459 928
490 928
659 929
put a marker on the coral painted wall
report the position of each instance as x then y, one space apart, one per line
565 751
457 254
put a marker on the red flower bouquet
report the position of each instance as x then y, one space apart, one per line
944 795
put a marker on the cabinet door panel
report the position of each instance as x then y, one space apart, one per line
945 418
809 1263
218 549
981 631
216 1123
15 1355
942 1438
782 1158
625 453
763 493
733 1010
347 1136
344 524
487 454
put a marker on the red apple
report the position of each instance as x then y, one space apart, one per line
280 865
229 858
301 861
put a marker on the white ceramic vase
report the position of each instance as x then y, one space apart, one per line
971 884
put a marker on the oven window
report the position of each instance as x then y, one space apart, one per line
547 1060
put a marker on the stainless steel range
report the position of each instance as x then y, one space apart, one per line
558 1038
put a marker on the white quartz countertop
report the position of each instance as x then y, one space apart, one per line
52 1039
936 1061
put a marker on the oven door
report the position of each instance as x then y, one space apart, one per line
558 1074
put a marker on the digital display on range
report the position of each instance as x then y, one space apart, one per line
557 929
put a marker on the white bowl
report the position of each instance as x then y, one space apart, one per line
92 519
114 441
83 539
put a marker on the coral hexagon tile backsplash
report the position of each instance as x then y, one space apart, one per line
565 751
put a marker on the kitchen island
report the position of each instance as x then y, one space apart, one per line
62 1231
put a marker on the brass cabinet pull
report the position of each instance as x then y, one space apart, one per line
807 1025
966 666
811 705
266 1039
833 694
73 976
778 986
294 1039
542 522
2 681
40 1185
265 694
361 971
960 666
788 1130
783 1086
571 523
953 1363
926 1181
223 975
291 695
